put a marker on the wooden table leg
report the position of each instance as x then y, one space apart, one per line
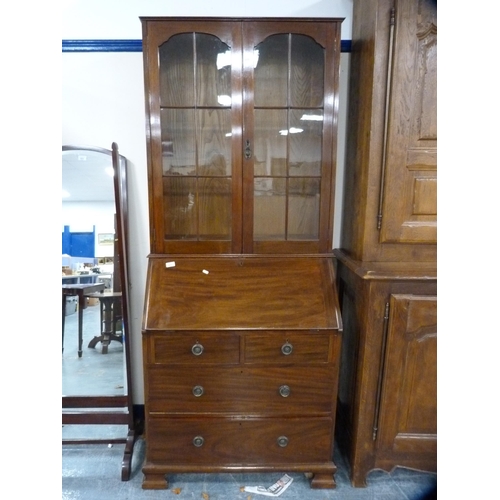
79 290
81 304
109 305
63 318
107 320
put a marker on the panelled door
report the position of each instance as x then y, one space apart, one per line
410 188
242 134
408 406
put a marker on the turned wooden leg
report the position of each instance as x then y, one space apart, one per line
323 481
63 318
104 348
81 305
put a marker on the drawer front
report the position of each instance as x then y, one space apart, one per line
242 389
288 347
215 441
194 348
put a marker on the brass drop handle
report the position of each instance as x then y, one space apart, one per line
248 151
198 391
198 441
285 391
282 441
197 349
287 348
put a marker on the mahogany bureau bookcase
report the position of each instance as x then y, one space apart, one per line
241 326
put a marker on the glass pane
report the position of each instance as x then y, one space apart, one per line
271 72
214 141
306 72
303 209
214 195
177 71
270 143
180 207
306 129
269 208
213 71
178 141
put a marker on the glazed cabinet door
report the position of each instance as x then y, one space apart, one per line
408 407
409 212
241 134
290 97
193 103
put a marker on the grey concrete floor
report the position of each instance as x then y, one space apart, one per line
93 472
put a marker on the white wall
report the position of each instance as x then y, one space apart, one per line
119 19
103 102
82 215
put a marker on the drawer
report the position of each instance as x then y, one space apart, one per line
289 347
194 348
217 441
302 390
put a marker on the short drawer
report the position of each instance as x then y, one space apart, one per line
194 348
215 441
301 390
289 347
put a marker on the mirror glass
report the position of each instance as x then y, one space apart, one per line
89 255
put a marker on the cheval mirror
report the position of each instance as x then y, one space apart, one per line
96 375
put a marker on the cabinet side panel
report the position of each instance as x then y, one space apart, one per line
361 83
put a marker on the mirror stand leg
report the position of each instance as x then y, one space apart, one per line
127 456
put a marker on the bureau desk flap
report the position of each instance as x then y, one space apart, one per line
240 292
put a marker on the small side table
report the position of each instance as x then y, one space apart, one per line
110 314
80 290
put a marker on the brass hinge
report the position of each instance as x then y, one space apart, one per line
381 371
388 90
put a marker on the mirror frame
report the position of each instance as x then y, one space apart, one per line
101 409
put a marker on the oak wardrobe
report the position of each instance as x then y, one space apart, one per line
387 276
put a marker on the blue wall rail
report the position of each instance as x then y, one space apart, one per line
130 46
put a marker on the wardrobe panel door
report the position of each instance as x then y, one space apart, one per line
409 212
408 409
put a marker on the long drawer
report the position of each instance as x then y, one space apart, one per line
241 389
239 441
